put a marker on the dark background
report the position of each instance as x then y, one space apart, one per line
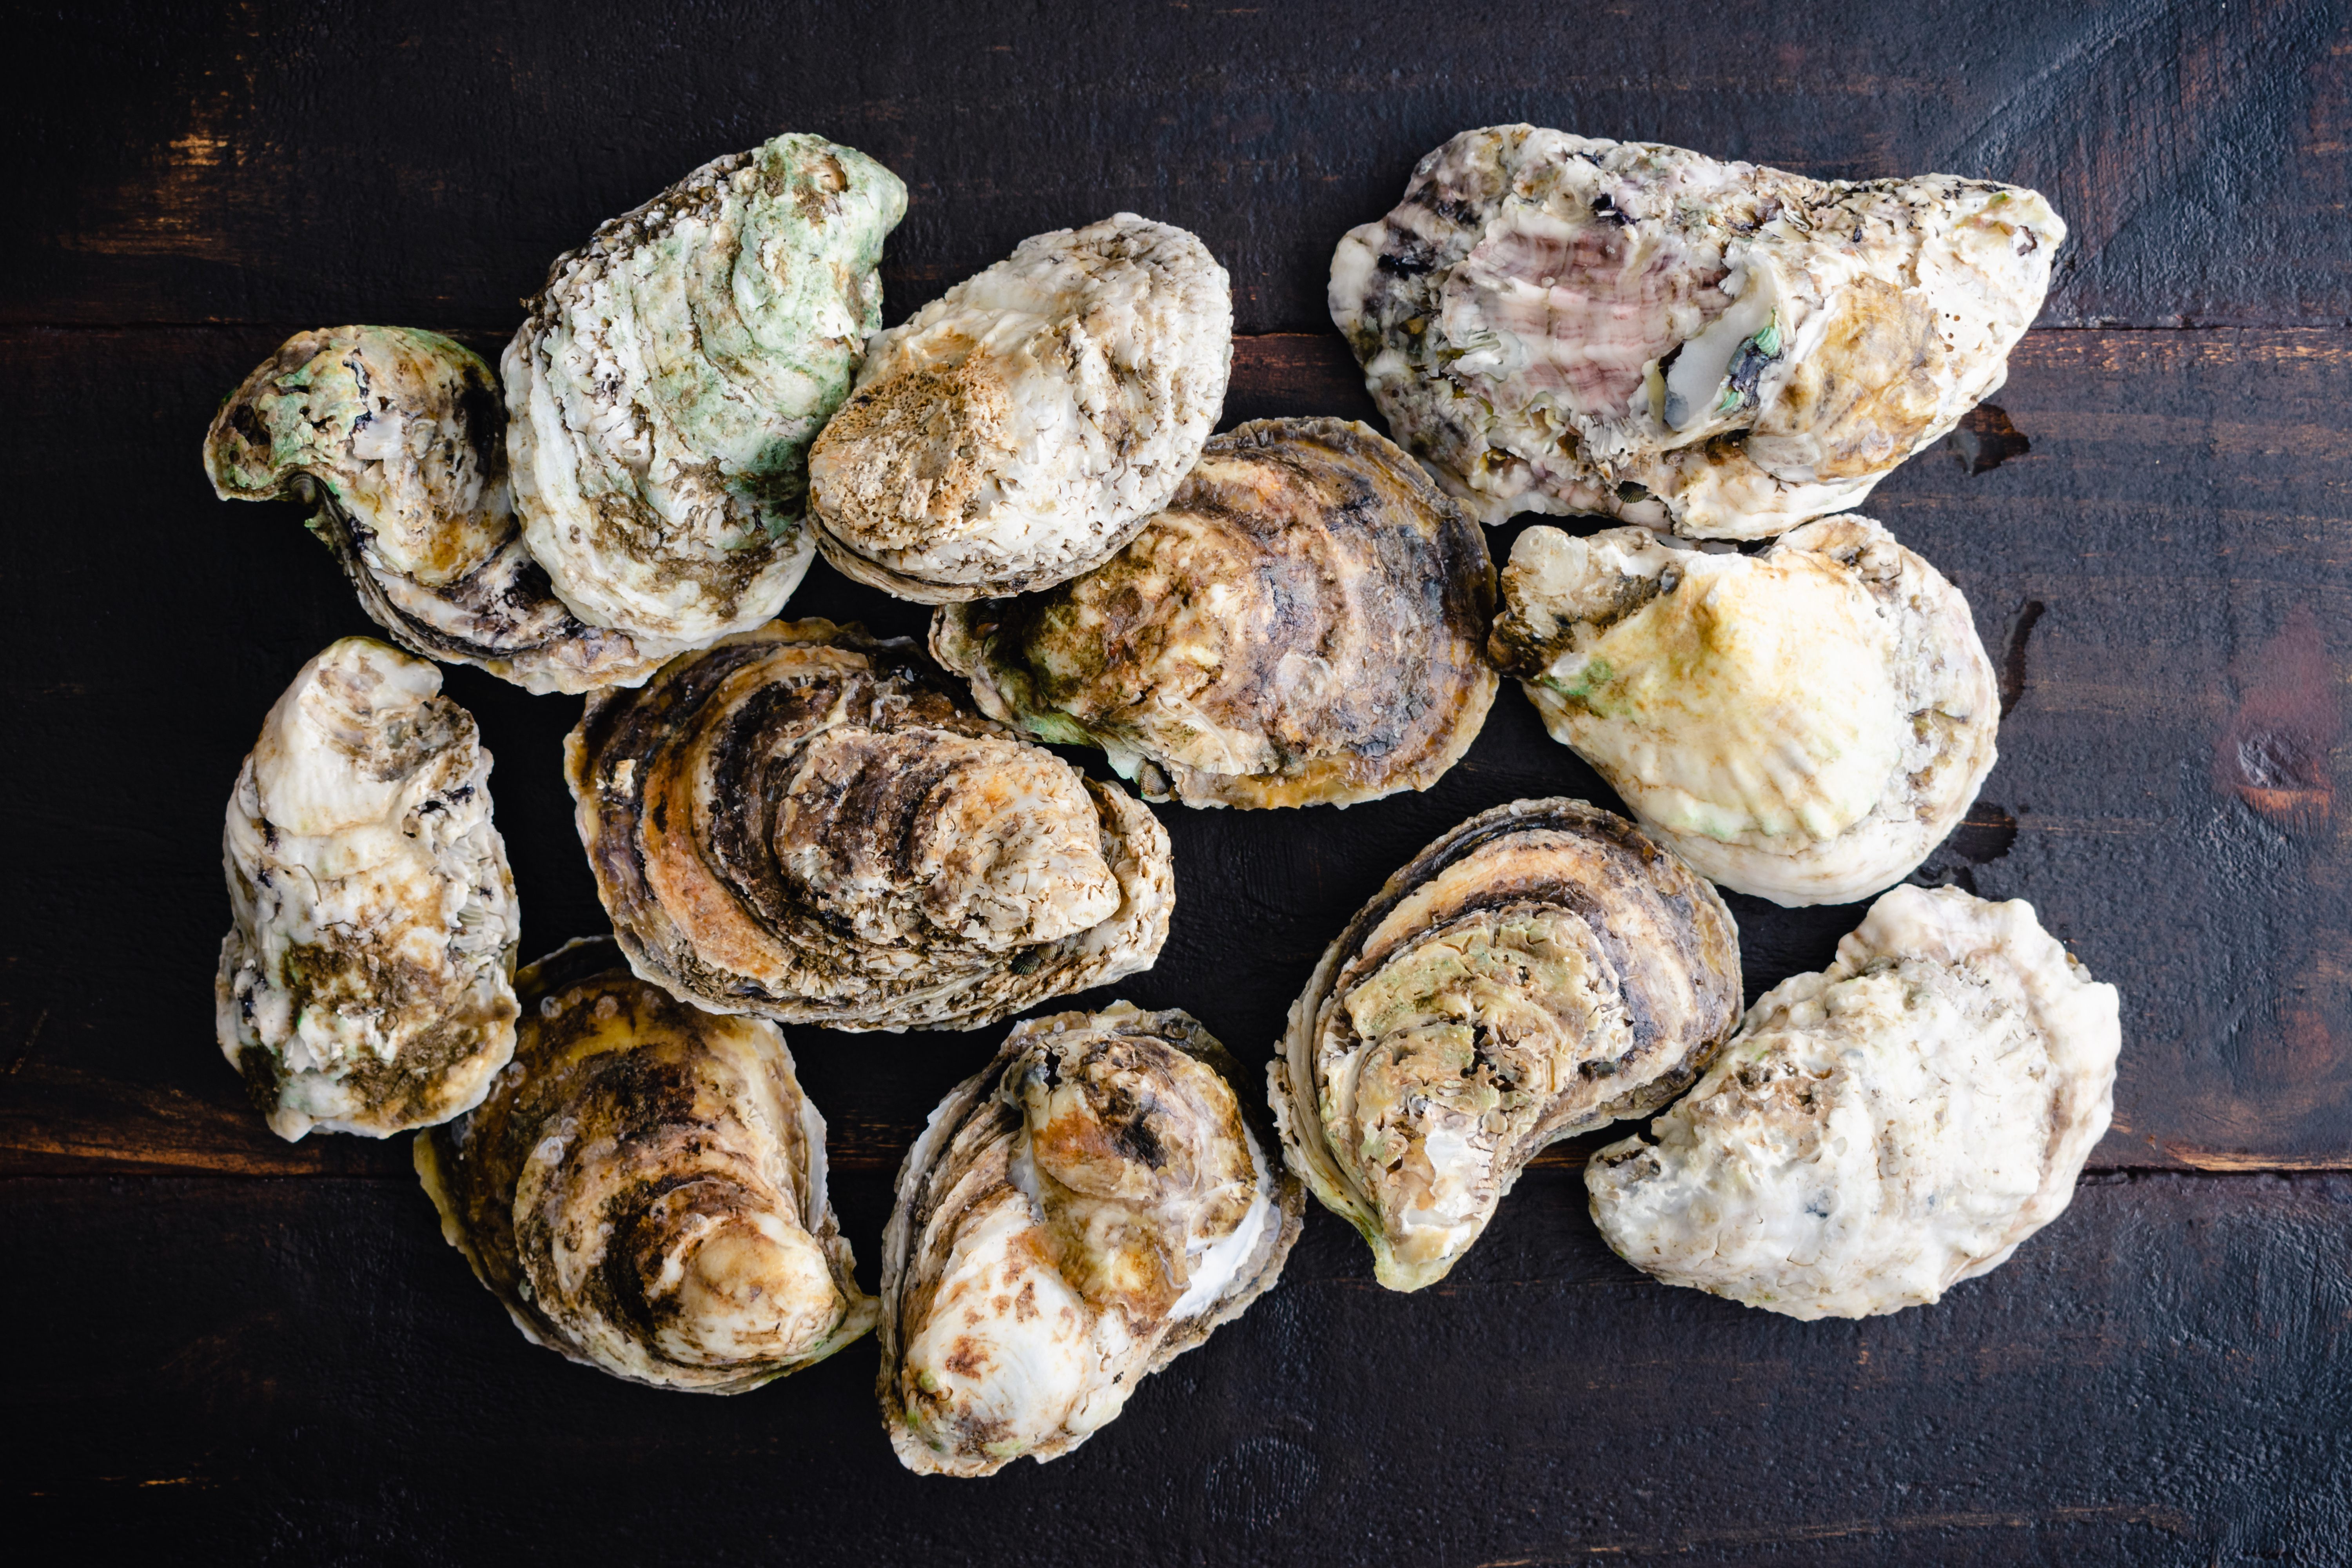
226 1344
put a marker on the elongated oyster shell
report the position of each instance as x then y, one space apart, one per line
806 823
1882 1130
643 1189
1804 725
1560 323
1304 622
1087 1207
1020 429
364 984
1543 969
665 387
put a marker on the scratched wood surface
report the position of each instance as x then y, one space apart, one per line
2149 519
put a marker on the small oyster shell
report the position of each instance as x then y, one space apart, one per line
665 387
364 986
1088 1206
1564 324
1020 429
1882 1130
400 438
1304 622
1805 724
806 823
1541 970
643 1189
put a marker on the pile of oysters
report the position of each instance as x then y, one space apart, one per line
793 822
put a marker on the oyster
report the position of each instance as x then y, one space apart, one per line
1020 429
664 391
1805 724
1304 622
399 437
803 822
1559 323
1085 1209
1541 970
1882 1130
364 986
645 1188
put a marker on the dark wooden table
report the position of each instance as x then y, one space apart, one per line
224 1346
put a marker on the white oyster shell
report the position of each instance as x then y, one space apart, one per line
1564 324
364 986
1882 1130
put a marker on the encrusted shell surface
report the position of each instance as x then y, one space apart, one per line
1805 724
364 984
1882 1130
399 437
644 1189
1303 623
1019 430
665 387
1543 969
1564 324
1089 1206
806 823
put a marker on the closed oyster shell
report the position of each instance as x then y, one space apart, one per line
1303 623
1543 969
1805 724
1087 1207
364 984
1882 1130
664 391
806 823
1020 429
1565 324
399 437
643 1189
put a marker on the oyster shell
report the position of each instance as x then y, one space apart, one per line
806 823
399 437
1564 324
1805 724
1303 623
664 391
1541 970
364 984
1088 1206
643 1189
1020 429
1882 1130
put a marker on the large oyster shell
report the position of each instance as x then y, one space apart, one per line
1303 623
1882 1130
1084 1209
1019 430
364 984
664 391
806 823
1805 724
643 1189
1565 324
1543 969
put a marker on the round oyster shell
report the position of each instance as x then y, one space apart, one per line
664 389
1085 1208
806 823
1021 428
1805 724
1543 969
643 1189
399 437
364 986
1882 1130
1564 324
